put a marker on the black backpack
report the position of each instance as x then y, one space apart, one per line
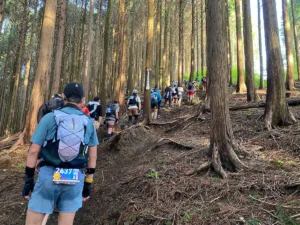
110 111
132 100
48 107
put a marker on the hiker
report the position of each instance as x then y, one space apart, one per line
56 102
191 92
67 141
154 104
204 83
134 107
168 96
175 94
112 117
159 100
85 109
180 93
95 108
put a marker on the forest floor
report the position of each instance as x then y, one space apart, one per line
141 179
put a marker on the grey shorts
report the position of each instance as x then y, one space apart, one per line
46 194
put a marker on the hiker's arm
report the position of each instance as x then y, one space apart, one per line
33 155
117 115
92 160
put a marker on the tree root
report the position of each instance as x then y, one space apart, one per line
171 142
183 122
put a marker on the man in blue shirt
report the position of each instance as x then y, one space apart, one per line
67 142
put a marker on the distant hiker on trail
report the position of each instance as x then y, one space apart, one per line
112 117
175 94
180 93
191 91
154 104
85 109
56 102
159 100
168 96
70 154
96 112
134 106
204 83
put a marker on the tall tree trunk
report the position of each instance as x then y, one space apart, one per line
120 50
222 144
241 86
81 45
124 58
277 111
149 58
13 104
164 58
261 81
130 83
296 40
105 68
290 82
193 42
86 74
202 35
158 42
248 46
181 43
2 8
60 45
229 44
198 45
46 45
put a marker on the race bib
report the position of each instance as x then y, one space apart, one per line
66 176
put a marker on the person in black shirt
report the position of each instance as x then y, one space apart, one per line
96 111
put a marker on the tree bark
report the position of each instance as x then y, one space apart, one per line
149 58
222 143
248 46
181 44
296 40
277 111
164 58
121 96
38 91
117 82
86 74
13 104
241 86
105 68
60 45
261 82
290 82
229 45
202 35
193 42
130 84
158 42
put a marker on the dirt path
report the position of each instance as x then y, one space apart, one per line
135 185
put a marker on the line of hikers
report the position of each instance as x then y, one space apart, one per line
63 149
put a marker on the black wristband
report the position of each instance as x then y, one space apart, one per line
29 172
90 170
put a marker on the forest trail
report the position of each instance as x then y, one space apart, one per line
138 184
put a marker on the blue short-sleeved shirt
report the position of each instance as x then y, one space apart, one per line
46 129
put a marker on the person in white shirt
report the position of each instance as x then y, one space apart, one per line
134 106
